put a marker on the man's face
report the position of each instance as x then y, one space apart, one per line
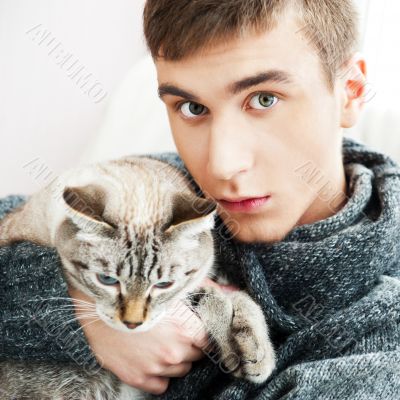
246 116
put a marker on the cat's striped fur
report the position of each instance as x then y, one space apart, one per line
135 220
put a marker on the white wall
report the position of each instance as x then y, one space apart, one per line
44 113
380 125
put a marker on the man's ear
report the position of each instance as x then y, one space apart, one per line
354 86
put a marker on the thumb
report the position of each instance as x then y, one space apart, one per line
224 288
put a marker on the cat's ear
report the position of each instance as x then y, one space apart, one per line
192 214
86 206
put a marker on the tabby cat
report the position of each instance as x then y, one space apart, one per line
133 236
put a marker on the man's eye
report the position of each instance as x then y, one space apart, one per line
261 101
192 110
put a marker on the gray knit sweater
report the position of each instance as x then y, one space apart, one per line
330 292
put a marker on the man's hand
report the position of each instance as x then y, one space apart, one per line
224 288
146 360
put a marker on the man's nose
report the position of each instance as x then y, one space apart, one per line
229 151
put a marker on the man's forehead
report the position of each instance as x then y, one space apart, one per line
241 63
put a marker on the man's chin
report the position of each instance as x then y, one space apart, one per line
259 231
257 236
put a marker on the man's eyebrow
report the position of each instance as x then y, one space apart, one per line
273 75
165 89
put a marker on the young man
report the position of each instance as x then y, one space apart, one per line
258 94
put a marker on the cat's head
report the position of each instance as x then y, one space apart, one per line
134 260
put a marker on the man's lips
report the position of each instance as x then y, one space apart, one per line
244 204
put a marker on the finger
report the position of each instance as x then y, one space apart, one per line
224 288
184 354
210 282
188 323
201 339
177 371
229 288
193 354
190 326
153 384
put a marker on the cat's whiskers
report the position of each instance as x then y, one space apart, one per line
57 298
72 307
77 305
77 318
70 299
68 319
63 324
68 309
88 323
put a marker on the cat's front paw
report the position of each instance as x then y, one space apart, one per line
250 340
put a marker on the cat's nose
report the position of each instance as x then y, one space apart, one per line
132 325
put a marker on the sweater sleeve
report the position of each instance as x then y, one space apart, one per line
37 320
372 376
366 370
318 364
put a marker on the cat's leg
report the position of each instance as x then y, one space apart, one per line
251 339
237 325
215 311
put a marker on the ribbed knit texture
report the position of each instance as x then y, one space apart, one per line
330 292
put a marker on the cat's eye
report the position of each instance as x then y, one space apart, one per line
163 285
107 280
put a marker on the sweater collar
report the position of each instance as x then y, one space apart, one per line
369 190
333 261
366 171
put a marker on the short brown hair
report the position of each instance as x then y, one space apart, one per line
175 29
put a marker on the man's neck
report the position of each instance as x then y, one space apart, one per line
331 196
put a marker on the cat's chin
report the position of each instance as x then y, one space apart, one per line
147 325
119 326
